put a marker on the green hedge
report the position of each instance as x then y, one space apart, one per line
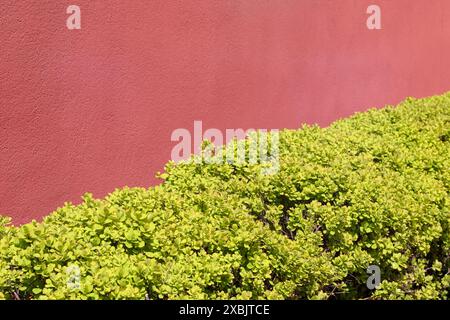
372 189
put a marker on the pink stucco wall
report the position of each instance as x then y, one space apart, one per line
93 109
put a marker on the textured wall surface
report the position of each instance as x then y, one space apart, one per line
93 109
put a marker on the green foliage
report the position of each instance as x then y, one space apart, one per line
372 189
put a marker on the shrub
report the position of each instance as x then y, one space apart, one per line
372 189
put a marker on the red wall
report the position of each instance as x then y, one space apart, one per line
93 109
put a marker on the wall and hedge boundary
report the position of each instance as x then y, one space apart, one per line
372 189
